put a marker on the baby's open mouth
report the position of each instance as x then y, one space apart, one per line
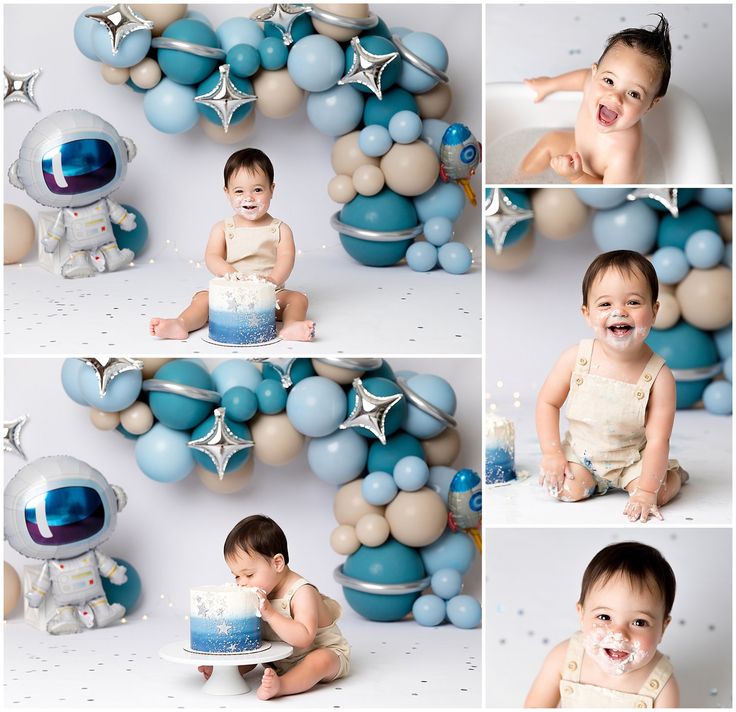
620 330
617 655
606 116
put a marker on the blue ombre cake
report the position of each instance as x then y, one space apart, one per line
224 619
242 310
499 450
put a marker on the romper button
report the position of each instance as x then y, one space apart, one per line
582 361
572 665
654 684
579 381
641 704
647 376
283 605
567 691
639 394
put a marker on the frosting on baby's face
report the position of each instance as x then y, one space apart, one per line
249 193
622 624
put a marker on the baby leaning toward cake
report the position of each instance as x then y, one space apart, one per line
292 610
251 242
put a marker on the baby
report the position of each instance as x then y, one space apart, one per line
625 601
250 242
292 610
620 396
627 81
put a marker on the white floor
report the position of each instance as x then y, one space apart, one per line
358 309
397 664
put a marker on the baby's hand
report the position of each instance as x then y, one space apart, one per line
264 605
552 472
542 86
568 165
642 505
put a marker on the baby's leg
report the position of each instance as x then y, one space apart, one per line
578 485
293 313
321 665
551 144
668 491
194 317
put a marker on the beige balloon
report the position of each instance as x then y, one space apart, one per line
725 223
277 94
231 482
443 448
137 419
236 133
151 365
146 74
372 529
343 376
558 213
434 103
512 257
114 75
161 14
346 155
368 180
349 505
276 440
410 169
19 234
669 311
344 541
341 34
341 189
12 589
104 421
417 518
705 297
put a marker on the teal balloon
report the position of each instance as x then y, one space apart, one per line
520 198
454 550
383 371
120 393
163 454
300 369
684 196
273 53
376 45
244 61
383 458
236 372
382 29
391 562
380 111
381 387
132 239
240 403
210 83
178 411
316 406
185 67
338 458
70 370
237 460
127 435
271 396
128 595
674 232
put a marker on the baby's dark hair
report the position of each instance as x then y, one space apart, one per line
653 43
257 534
626 262
642 565
251 159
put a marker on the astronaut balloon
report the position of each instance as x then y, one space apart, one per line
59 509
72 160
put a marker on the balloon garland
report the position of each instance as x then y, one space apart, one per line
401 171
687 234
407 519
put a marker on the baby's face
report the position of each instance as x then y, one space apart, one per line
620 309
622 625
254 570
249 193
624 86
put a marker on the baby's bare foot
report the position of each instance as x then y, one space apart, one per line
167 328
270 685
298 331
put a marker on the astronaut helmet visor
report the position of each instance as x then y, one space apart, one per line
79 167
66 515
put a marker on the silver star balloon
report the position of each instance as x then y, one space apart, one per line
370 411
666 197
501 215
11 435
225 98
220 443
120 21
283 368
367 68
283 17
108 369
20 88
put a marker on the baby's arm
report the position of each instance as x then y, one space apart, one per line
670 695
216 251
571 81
285 253
545 690
299 630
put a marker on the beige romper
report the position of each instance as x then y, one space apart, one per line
252 250
574 693
607 419
329 637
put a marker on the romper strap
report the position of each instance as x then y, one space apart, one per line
229 228
573 658
584 355
650 372
294 588
276 229
657 679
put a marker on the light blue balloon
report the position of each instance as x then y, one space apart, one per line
429 610
315 63
336 111
440 478
728 369
316 406
411 473
438 231
131 50
83 27
724 341
717 398
602 198
432 132
236 372
405 127
447 583
454 550
441 200
121 392
719 200
428 48
631 226
704 249
439 393
239 30
271 397
163 454
421 256
464 612
455 258
338 458
670 264
400 30
170 108
378 488
375 140
70 371
273 53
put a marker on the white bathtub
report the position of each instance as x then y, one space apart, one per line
676 134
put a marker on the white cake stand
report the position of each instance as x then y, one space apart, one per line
225 678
